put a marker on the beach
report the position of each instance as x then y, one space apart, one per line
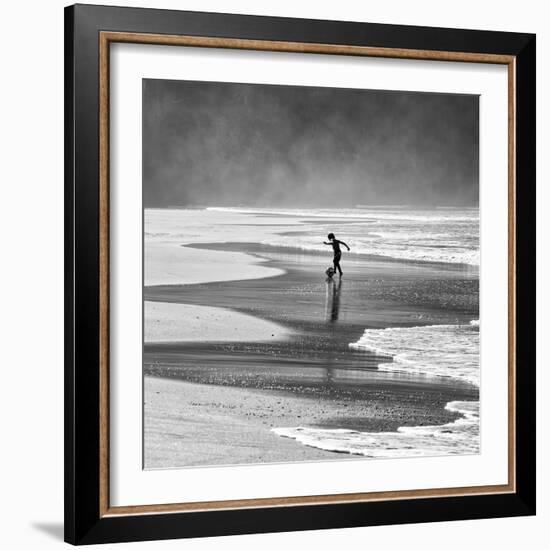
206 423
252 356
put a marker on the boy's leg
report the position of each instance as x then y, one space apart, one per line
337 265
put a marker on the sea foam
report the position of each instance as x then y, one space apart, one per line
440 236
433 351
454 438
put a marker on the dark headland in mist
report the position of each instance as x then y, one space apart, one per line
226 144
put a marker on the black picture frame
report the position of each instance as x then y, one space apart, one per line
84 521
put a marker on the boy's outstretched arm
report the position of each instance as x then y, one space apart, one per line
326 242
342 242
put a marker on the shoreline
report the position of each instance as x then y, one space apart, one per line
377 294
311 366
189 424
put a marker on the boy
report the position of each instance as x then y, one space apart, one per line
335 243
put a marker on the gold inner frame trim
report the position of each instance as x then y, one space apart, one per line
105 39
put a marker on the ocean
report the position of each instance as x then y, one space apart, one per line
447 235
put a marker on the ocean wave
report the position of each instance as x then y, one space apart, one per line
374 247
454 438
466 215
432 350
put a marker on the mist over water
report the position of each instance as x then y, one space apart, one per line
234 144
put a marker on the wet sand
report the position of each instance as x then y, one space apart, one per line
310 378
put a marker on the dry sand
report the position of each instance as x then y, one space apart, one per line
174 264
170 322
196 424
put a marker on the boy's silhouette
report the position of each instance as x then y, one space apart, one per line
335 243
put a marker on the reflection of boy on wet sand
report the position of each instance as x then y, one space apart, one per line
335 243
332 306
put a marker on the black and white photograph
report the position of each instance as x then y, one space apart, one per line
310 274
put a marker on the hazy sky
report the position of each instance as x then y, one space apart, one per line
210 143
